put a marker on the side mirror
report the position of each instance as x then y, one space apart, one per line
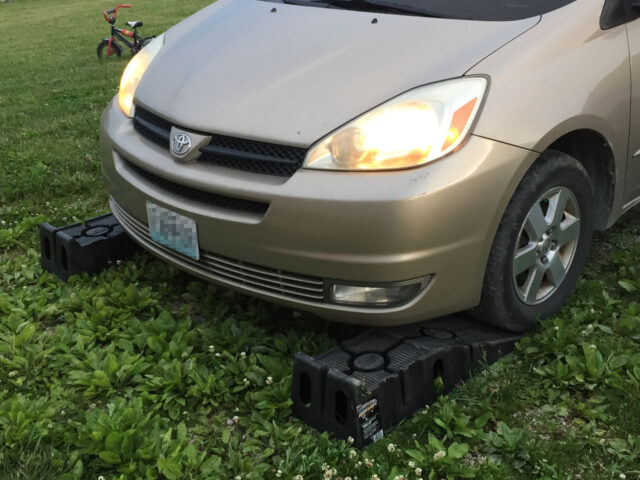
614 13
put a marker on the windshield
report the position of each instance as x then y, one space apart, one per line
497 10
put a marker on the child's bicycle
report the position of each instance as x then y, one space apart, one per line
110 46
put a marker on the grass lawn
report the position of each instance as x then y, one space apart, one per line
146 372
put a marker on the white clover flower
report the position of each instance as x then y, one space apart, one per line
391 447
400 477
278 473
245 380
13 373
218 355
375 477
325 467
235 419
238 477
352 454
411 464
622 475
298 477
269 380
368 462
211 348
350 440
101 477
243 355
333 471
418 471
439 455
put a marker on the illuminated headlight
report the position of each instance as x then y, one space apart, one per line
383 295
134 72
414 128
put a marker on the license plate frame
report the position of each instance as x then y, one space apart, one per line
173 230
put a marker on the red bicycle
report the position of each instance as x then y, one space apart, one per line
118 35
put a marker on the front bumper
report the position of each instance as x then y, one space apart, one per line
361 228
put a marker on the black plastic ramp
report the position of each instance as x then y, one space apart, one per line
84 247
367 385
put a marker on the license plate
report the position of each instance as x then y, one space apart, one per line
173 230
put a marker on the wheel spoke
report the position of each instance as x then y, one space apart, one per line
556 270
568 232
536 224
525 258
557 205
533 284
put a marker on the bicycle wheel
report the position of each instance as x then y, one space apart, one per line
103 48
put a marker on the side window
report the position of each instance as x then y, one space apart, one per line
616 12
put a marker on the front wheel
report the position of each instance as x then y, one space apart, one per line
103 48
541 245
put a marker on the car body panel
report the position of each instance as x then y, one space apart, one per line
632 192
278 80
554 62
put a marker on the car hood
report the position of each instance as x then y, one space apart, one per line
291 74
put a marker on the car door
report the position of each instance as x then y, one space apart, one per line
632 190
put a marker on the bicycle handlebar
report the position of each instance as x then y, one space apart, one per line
114 10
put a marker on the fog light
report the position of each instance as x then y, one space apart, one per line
381 295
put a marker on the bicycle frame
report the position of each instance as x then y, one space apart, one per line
118 33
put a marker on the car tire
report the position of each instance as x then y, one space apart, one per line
539 250
103 47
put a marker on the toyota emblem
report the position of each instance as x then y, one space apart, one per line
181 144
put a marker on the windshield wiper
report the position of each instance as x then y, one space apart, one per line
381 6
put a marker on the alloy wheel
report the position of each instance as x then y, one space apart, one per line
546 245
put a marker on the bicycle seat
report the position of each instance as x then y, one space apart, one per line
135 24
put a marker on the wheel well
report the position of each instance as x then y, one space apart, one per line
593 151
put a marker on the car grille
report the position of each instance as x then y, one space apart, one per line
227 270
190 193
152 127
231 152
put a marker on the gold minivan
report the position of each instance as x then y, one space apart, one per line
382 161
